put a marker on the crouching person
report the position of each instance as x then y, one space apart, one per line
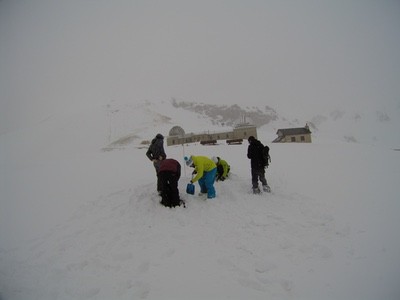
205 170
223 168
169 174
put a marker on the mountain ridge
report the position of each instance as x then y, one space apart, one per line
377 128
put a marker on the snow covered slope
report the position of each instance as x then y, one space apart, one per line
78 222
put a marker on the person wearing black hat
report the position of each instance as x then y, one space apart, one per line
255 154
156 154
223 168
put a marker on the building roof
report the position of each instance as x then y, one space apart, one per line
294 131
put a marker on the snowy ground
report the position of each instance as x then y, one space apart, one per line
86 224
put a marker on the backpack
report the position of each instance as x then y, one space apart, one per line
265 156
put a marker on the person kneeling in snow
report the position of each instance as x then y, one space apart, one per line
205 170
222 168
169 173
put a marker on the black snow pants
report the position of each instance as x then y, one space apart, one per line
258 174
169 188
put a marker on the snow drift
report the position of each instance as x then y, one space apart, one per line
78 222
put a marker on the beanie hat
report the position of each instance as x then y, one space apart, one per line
159 136
215 159
251 138
188 160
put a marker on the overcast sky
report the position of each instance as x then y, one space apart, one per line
291 55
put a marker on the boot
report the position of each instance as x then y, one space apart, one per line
266 188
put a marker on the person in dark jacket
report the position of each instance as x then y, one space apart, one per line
255 154
169 174
156 154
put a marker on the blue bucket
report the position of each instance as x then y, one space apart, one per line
190 188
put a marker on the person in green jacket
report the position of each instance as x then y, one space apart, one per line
205 170
223 168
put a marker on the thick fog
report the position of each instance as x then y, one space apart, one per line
298 57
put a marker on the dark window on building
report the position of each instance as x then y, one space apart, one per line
293 139
302 138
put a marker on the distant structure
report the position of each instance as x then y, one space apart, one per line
236 136
293 135
177 131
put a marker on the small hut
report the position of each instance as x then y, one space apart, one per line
293 135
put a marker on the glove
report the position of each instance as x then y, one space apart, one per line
191 182
222 178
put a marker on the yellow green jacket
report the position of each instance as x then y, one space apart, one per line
202 164
225 166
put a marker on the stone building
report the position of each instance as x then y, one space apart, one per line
177 135
293 135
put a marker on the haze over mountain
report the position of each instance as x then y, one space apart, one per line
302 59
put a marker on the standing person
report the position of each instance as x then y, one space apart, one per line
205 170
169 174
255 154
156 154
223 168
